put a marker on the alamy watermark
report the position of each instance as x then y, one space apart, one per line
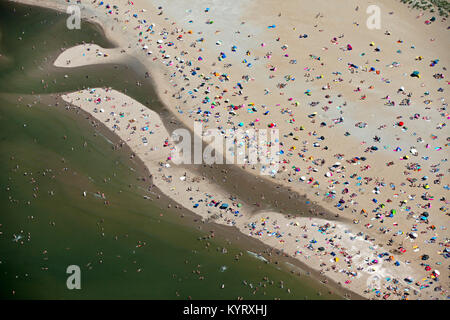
374 20
74 19
74 280
233 146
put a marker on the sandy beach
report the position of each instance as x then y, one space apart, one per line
362 117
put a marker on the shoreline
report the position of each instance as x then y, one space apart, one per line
225 235
229 234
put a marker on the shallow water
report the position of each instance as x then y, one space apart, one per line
130 248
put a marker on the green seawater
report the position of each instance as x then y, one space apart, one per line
127 247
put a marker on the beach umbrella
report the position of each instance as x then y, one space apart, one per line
415 74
